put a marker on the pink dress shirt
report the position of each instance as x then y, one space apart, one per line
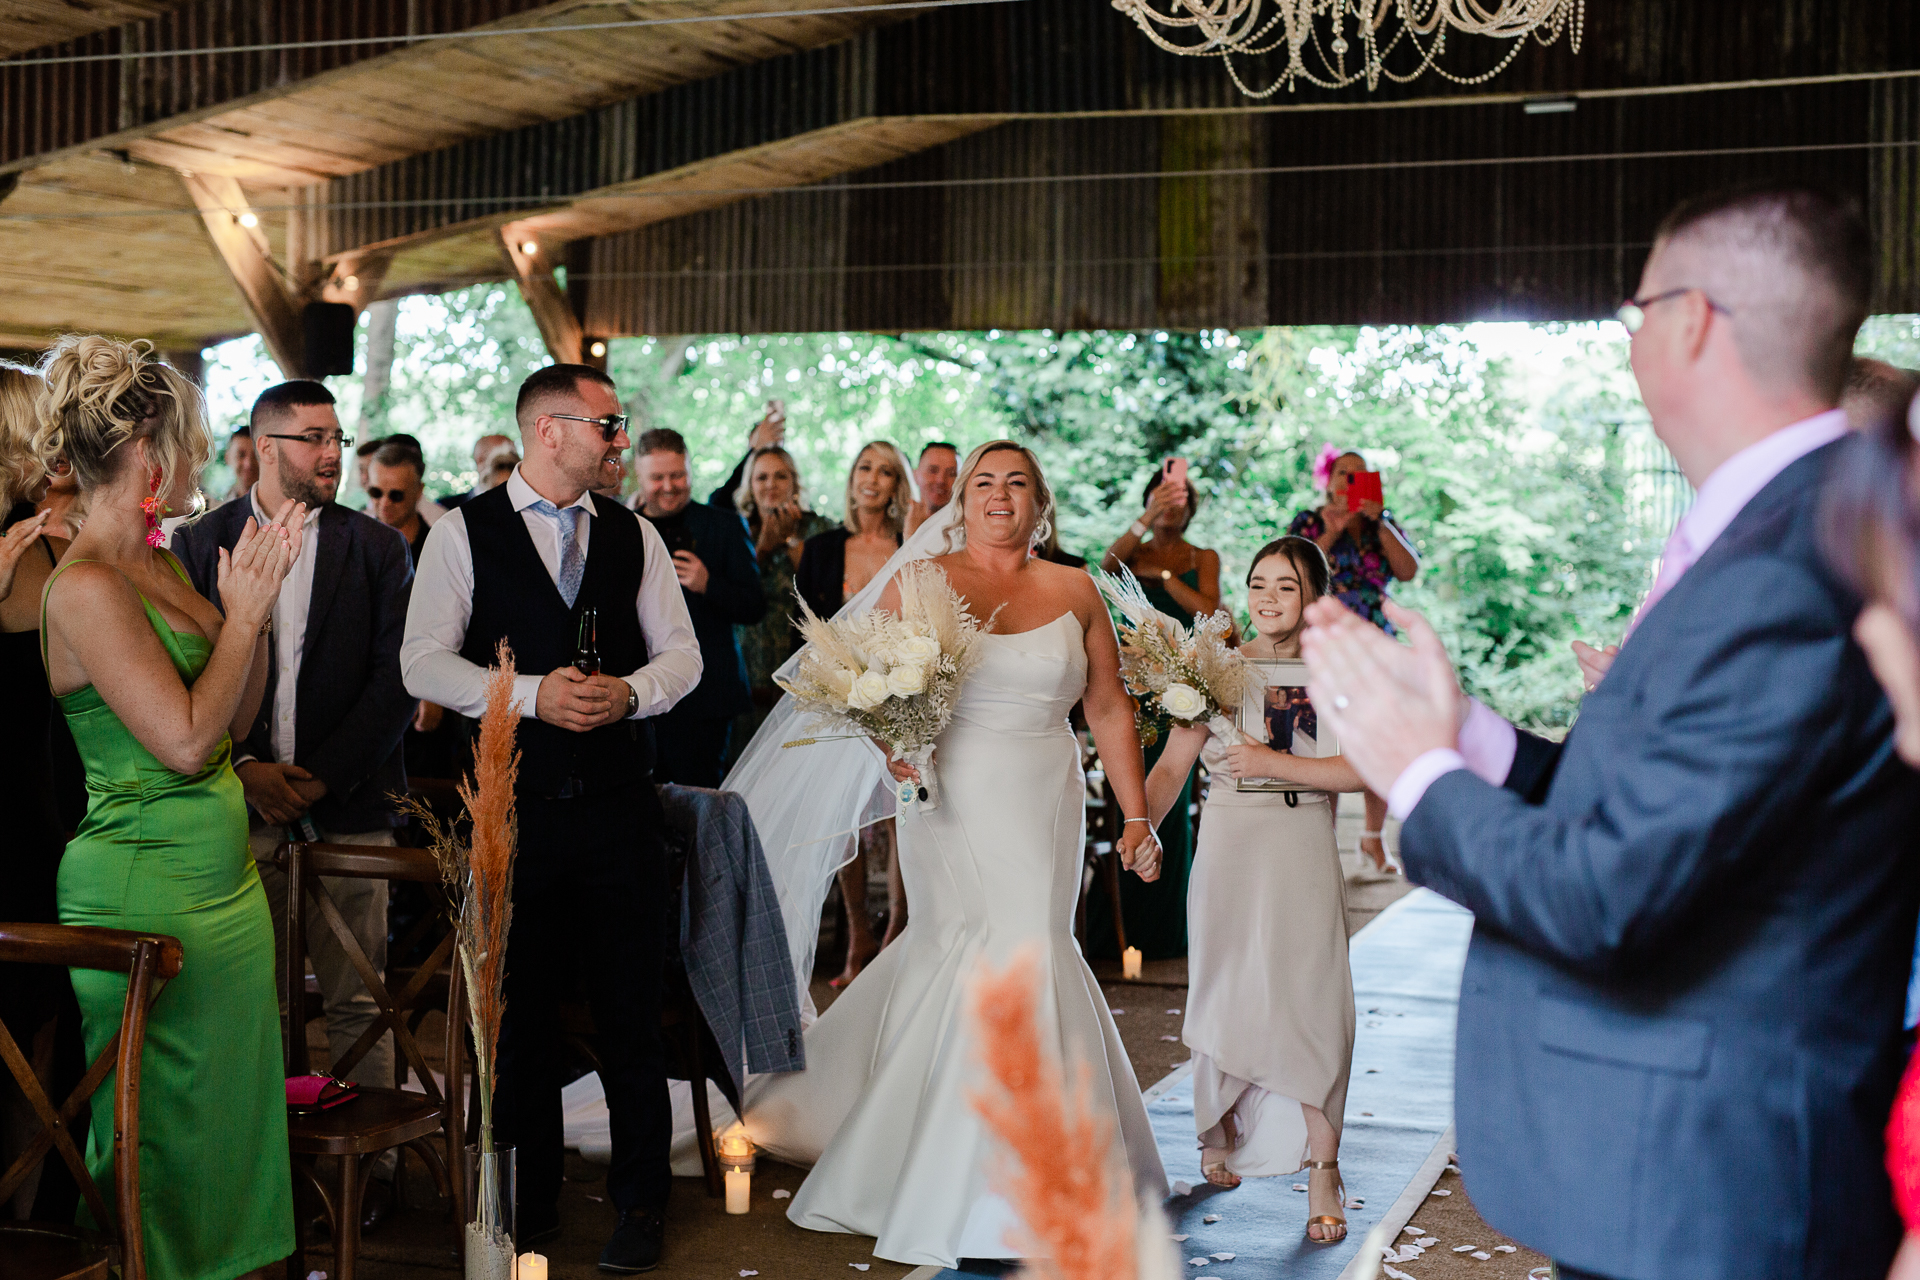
1487 743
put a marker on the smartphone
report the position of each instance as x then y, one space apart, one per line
1364 487
677 539
1174 472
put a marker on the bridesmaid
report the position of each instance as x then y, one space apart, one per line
1180 580
155 684
772 500
1270 1003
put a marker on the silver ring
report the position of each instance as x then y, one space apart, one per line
1340 702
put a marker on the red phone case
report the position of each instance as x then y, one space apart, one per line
1364 487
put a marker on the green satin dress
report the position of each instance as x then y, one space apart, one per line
165 852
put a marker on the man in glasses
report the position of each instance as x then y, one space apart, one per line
394 492
323 760
522 563
1680 1020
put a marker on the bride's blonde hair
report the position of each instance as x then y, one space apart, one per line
101 393
1043 495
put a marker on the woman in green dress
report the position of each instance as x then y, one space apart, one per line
155 684
1180 580
772 501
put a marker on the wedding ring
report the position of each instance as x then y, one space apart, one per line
1340 702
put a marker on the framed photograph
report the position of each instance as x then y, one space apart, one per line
1279 713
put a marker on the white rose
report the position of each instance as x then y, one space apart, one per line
841 681
869 691
906 680
1182 702
919 650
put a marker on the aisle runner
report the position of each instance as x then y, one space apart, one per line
1406 985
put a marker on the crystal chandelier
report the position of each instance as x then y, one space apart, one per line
1335 43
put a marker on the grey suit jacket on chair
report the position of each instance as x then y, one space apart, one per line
353 709
1680 1020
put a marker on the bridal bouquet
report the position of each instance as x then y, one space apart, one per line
1190 675
894 677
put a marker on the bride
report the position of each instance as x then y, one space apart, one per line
882 1112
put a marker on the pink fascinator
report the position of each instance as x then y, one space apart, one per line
1323 465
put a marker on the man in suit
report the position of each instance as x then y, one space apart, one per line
324 757
519 563
1680 1020
721 579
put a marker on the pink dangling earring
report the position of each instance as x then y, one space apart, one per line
154 508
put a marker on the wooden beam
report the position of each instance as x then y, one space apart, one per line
270 303
533 272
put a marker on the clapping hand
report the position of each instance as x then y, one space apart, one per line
1594 663
249 576
770 430
15 544
1387 703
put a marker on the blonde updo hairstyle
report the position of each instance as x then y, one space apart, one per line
1042 493
102 393
20 466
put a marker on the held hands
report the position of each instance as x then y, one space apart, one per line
249 576
279 793
691 570
1594 663
1139 850
570 700
15 544
1387 703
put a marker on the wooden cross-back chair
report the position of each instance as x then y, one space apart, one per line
378 1119
48 1251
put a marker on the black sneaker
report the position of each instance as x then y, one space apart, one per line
636 1242
536 1225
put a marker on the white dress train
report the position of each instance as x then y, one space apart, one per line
881 1112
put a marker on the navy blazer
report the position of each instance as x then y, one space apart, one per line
353 709
1680 1020
733 595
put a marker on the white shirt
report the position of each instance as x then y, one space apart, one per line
289 628
442 605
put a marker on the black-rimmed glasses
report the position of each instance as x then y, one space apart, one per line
1633 312
610 426
314 440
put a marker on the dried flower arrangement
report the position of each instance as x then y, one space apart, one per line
479 878
1189 675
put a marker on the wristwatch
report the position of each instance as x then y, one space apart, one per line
633 701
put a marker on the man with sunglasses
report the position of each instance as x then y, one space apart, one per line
1681 1013
521 563
324 759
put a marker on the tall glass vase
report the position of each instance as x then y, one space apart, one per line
488 1244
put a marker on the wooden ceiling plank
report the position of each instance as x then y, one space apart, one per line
559 327
269 302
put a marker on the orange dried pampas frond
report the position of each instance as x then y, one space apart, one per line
488 905
1062 1168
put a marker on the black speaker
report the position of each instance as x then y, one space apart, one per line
327 333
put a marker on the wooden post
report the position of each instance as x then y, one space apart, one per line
249 259
533 272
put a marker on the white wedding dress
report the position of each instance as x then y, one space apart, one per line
882 1111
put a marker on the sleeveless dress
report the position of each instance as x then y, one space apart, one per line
881 1111
1270 1014
166 852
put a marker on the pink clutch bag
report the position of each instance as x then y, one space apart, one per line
309 1094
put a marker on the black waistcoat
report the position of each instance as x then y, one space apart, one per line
515 599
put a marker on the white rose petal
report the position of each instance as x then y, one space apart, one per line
869 691
919 649
905 681
1481 1254
1182 701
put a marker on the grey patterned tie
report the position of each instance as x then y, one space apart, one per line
573 561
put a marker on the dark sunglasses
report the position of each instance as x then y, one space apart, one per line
610 426
396 494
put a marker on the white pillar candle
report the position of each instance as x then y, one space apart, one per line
1130 964
739 1190
533 1266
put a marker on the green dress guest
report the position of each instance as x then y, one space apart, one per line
1180 580
151 680
769 500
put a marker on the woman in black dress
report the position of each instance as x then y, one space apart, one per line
833 567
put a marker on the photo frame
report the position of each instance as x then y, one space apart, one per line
1278 713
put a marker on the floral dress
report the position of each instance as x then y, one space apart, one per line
1361 573
766 644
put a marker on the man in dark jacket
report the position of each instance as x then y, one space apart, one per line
721 580
1680 1020
323 758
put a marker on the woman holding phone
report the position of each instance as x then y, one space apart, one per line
1369 552
1181 580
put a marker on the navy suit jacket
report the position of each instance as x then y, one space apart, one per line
353 709
733 596
1680 1020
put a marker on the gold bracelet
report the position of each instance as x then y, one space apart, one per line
266 628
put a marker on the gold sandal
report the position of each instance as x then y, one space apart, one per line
1215 1171
1327 1222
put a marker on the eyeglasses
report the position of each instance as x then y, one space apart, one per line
398 495
1633 312
314 440
610 426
